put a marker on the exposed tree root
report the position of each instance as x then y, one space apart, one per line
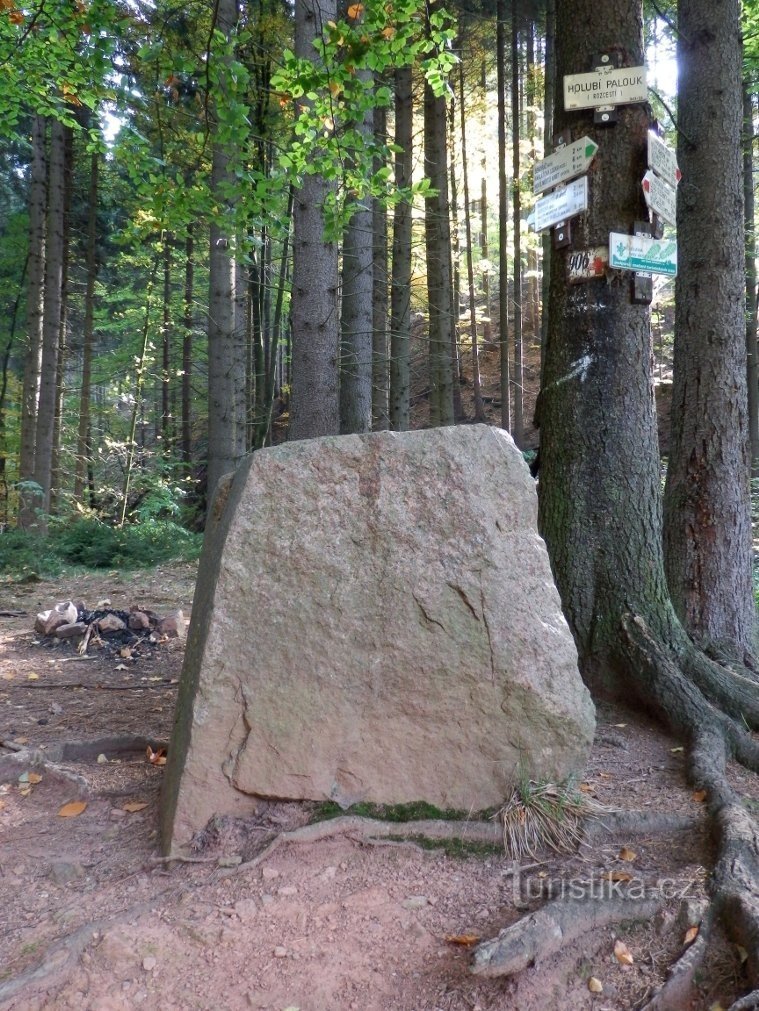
560 921
748 1003
678 989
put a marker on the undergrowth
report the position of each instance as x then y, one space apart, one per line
418 810
90 543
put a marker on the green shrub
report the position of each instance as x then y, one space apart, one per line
24 554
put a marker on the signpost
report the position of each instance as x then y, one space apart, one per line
660 197
587 264
563 203
642 253
566 162
605 86
662 160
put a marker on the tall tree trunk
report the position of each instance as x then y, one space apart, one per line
400 285
187 345
83 443
707 514
437 235
518 379
168 240
503 220
356 317
550 77
314 408
51 326
752 306
380 336
484 238
223 422
35 291
479 409
60 379
455 257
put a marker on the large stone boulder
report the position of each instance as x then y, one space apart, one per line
375 619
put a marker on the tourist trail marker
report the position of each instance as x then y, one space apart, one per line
605 86
662 160
565 202
565 163
660 197
641 253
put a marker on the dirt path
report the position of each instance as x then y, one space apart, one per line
91 919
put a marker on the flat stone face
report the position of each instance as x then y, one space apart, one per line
375 619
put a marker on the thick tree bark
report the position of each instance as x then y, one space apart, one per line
437 236
400 283
752 305
83 442
518 378
356 317
187 345
707 515
503 220
35 289
314 303
51 326
380 335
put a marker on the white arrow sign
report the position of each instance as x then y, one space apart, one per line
605 86
662 160
566 202
565 163
660 197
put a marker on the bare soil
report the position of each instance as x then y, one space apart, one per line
91 918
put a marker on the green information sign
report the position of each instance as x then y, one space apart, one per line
642 253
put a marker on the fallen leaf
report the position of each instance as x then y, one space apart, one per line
73 809
34 777
676 750
25 791
627 854
742 953
32 677
388 33
125 652
121 666
156 757
135 805
355 10
20 740
616 876
8 675
620 725
716 1007
690 935
605 775
465 940
699 795
2 804
586 788
595 985
622 953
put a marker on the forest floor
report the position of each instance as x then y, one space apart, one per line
90 918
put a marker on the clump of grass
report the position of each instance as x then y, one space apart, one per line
541 816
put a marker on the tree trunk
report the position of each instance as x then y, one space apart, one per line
314 409
752 347
51 326
223 422
35 291
83 444
479 409
707 513
400 284
356 317
503 220
518 379
550 79
437 236
166 434
380 336
187 345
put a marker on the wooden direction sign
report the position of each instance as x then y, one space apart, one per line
660 197
565 163
605 86
662 160
566 202
642 253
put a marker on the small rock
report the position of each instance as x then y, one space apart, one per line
232 861
329 873
111 623
63 873
172 625
267 900
138 621
287 890
56 708
691 913
149 963
117 814
269 873
69 631
102 759
48 621
246 909
415 902
280 952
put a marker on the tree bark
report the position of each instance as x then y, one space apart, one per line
314 304
503 220
380 335
400 286
752 306
187 345
35 291
83 442
707 514
518 378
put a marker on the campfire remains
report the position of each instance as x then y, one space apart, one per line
116 631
